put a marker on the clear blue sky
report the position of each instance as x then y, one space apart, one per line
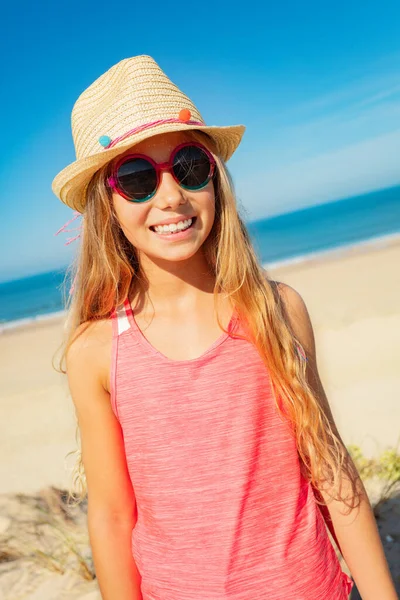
316 83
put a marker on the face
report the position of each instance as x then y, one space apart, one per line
171 205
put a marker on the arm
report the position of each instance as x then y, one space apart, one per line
111 501
356 531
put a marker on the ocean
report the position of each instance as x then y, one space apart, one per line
290 237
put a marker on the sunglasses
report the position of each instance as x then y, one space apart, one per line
136 177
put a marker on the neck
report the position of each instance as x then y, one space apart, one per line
172 284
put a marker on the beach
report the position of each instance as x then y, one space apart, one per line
353 298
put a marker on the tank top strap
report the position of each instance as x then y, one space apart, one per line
120 323
120 318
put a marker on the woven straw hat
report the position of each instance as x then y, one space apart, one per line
130 102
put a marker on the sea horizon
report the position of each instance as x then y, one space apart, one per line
310 233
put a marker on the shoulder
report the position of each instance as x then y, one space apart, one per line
89 351
286 294
109 488
89 337
299 320
297 315
293 302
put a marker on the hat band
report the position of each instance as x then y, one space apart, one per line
147 126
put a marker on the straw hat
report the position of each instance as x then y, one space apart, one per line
130 102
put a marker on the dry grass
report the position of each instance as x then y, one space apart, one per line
45 530
383 470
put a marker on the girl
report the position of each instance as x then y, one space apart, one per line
209 449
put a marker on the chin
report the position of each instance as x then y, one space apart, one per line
177 256
173 255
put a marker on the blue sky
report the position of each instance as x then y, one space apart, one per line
317 85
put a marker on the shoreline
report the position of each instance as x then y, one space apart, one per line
314 258
46 318
378 242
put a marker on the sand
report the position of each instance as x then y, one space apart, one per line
37 420
353 298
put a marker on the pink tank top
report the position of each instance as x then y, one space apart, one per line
223 511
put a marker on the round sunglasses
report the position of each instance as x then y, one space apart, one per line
136 177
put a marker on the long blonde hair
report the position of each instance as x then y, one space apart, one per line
106 273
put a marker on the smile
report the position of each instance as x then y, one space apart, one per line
173 228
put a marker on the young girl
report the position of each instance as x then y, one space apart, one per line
209 449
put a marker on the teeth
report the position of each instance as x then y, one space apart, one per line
167 229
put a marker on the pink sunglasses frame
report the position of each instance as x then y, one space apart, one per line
159 167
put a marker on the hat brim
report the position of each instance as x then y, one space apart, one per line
70 184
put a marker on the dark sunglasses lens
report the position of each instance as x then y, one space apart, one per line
192 167
137 178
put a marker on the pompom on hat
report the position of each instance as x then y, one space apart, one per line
130 102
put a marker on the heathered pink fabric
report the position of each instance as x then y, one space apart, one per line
223 511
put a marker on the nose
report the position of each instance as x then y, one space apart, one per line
169 193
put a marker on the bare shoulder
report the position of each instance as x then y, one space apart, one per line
90 351
293 301
297 315
109 487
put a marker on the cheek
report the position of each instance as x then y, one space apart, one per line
131 216
208 205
